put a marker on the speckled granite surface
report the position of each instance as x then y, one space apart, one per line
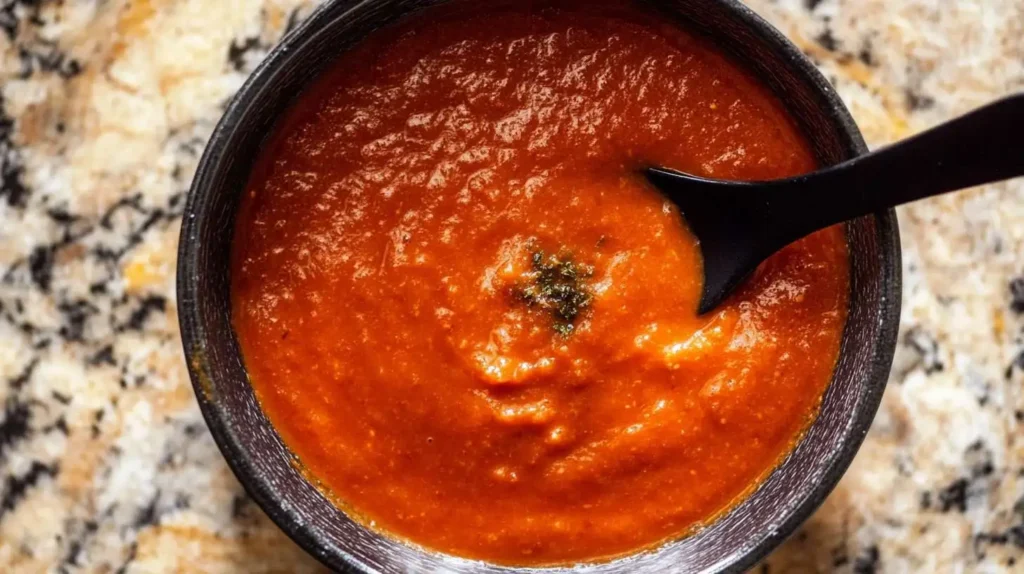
105 462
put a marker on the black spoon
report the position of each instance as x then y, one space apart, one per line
740 224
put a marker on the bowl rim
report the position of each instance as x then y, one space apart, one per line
239 459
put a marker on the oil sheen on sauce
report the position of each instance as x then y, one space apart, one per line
409 216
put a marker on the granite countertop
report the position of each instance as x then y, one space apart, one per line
105 462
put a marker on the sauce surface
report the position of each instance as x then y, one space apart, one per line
472 320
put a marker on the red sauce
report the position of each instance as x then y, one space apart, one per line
447 388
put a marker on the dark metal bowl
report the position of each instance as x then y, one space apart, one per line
263 464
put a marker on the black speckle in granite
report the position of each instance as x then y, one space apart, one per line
24 376
41 344
122 218
1019 416
1013 535
926 500
71 68
237 51
132 203
15 487
149 305
97 418
104 356
828 40
151 220
193 146
182 501
8 21
44 57
839 557
77 544
811 4
14 425
12 188
984 468
986 538
1018 508
917 101
25 61
61 426
104 253
239 504
866 54
99 288
1018 363
61 398
904 465
1017 295
926 347
193 430
61 215
148 516
868 561
175 200
1016 535
27 328
76 315
954 496
40 265
1011 561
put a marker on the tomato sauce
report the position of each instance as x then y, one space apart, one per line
473 322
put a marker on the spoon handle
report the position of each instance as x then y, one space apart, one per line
983 146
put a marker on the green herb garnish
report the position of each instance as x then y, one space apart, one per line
557 285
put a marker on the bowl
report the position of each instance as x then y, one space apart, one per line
268 471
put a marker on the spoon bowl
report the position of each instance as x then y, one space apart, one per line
740 224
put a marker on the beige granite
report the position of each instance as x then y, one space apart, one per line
105 462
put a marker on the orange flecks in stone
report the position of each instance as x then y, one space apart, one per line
167 82
78 472
151 265
71 253
23 562
134 20
998 323
853 70
276 17
138 274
